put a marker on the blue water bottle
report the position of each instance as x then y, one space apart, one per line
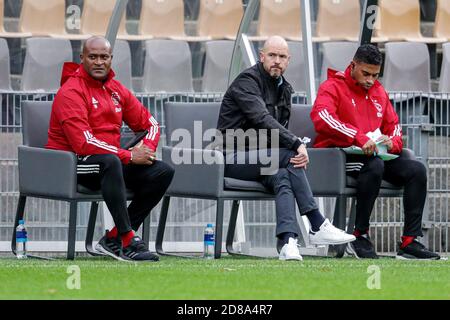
208 250
21 240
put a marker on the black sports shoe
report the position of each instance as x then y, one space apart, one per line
416 251
362 248
138 251
109 246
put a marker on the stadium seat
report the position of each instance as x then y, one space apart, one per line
121 63
400 21
407 67
167 67
164 20
339 20
337 56
5 81
444 81
295 73
95 19
52 174
442 23
280 17
44 59
8 34
51 21
219 19
217 64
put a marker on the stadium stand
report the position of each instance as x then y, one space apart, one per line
121 63
51 21
217 64
338 20
407 67
44 59
400 21
219 19
5 81
7 34
164 19
444 81
295 73
442 23
337 56
161 76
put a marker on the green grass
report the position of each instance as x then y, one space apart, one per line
227 278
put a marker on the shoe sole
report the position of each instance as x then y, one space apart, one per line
331 243
349 249
138 261
105 252
291 259
411 257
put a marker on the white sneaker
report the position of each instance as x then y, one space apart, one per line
290 251
329 234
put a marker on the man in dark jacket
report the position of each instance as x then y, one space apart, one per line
253 120
86 118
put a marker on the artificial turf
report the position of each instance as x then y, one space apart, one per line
227 278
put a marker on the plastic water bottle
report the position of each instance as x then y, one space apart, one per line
208 250
21 241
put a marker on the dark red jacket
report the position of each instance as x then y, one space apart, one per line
87 115
344 112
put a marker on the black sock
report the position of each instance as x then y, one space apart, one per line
315 219
284 237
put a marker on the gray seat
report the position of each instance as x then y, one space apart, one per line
51 174
217 63
407 67
337 56
168 66
295 73
5 82
44 59
444 81
121 63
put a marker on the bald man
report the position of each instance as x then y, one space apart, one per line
253 119
87 116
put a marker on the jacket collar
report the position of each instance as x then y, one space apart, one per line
353 85
71 69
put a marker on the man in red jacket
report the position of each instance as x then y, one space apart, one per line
350 105
86 118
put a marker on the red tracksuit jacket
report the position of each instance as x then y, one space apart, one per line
344 112
87 115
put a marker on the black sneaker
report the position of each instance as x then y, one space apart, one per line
138 251
416 251
109 246
362 248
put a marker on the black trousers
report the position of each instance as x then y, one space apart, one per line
108 174
410 174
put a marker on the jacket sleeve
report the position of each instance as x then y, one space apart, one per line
138 118
327 122
391 127
72 114
247 95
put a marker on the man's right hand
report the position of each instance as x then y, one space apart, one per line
369 148
141 154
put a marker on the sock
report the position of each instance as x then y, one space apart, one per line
284 237
126 238
315 219
359 233
112 233
406 240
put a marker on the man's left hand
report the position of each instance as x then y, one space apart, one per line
386 141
